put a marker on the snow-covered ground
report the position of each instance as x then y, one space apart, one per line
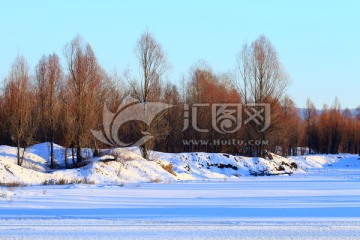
208 196
131 167
129 229
275 207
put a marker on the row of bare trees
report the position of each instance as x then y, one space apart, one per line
332 130
54 105
210 112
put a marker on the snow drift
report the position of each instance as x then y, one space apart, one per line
126 165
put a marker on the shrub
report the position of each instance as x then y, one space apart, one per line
294 165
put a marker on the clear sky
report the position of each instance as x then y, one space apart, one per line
318 42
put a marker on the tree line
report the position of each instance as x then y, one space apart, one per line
61 104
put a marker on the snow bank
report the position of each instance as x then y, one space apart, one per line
327 161
126 165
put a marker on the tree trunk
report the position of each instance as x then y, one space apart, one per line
52 162
79 157
19 162
66 158
73 155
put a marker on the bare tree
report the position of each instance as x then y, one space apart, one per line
309 117
48 82
204 90
173 117
262 79
330 121
67 124
292 128
85 82
19 104
153 65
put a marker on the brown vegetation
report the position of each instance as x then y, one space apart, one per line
62 106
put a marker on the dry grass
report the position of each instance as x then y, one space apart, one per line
84 181
65 181
3 194
156 180
32 167
169 168
62 182
13 185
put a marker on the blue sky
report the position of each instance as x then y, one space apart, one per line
318 42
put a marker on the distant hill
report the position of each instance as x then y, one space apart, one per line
302 111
